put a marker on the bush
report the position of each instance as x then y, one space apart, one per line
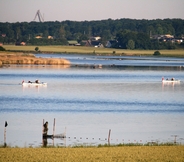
2 48
36 49
156 53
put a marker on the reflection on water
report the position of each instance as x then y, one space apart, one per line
170 84
130 101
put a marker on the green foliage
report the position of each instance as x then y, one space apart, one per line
156 53
2 48
130 40
36 49
131 44
124 30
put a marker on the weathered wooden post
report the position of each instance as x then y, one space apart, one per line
43 127
53 131
54 128
44 134
174 138
45 130
65 137
109 137
6 124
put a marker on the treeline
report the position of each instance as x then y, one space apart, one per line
128 33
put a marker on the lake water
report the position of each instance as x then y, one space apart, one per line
127 98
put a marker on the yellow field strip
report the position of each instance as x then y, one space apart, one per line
106 154
92 50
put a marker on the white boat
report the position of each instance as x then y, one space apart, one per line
172 80
36 83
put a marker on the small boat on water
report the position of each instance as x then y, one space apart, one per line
172 80
36 83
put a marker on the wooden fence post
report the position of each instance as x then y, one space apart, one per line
43 127
54 128
6 124
109 137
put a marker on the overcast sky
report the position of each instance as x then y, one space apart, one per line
81 10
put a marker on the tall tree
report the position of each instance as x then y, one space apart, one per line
130 44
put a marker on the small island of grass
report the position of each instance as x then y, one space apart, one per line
29 59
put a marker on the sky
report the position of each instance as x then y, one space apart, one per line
88 10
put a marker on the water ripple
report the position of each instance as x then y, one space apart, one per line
86 106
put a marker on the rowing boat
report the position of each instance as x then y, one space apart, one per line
172 80
36 83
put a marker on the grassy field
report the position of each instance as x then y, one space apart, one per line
92 50
102 154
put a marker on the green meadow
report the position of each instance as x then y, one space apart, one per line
92 50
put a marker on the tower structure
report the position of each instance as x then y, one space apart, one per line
40 17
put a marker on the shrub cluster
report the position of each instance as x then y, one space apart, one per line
156 53
2 48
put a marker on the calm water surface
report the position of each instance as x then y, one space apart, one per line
87 103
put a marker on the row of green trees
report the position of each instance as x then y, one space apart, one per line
129 33
138 40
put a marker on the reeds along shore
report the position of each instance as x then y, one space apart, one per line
31 60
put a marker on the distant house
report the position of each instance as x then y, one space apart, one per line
155 36
3 35
73 43
165 37
179 41
23 43
110 43
20 43
169 36
50 37
93 43
86 42
95 38
38 37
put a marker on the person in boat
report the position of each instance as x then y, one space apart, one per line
29 81
172 79
37 81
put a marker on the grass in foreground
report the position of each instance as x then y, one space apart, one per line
106 154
